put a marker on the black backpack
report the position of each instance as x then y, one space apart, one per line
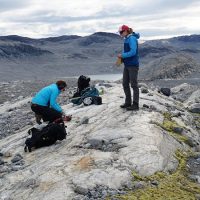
97 100
83 82
47 136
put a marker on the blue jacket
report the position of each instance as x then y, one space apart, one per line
130 54
47 97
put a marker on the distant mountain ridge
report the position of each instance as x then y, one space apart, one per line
71 55
21 50
186 38
17 38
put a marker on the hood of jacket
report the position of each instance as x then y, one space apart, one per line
137 35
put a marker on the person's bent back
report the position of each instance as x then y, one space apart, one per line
44 102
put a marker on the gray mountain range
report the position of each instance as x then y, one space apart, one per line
64 56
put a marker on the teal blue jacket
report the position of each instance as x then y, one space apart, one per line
47 97
130 54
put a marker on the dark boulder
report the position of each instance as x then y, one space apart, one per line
165 91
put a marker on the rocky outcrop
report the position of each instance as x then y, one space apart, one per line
172 66
195 108
98 158
187 94
154 51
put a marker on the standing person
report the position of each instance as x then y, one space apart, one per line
44 102
130 59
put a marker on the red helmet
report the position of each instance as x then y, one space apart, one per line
123 28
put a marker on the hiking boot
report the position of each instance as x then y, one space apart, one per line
125 105
134 106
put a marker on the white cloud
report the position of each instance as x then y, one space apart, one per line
153 18
7 5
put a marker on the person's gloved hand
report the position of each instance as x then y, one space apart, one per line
66 117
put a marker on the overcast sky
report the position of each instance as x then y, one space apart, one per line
152 18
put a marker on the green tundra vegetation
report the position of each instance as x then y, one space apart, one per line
171 186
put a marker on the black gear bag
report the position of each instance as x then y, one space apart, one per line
47 136
83 83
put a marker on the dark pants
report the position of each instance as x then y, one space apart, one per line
48 114
130 76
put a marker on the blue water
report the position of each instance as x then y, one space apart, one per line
160 83
106 77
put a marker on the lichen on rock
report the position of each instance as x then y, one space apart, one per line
170 186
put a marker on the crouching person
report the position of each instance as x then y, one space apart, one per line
44 103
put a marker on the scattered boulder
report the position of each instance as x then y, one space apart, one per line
105 85
145 106
16 167
190 141
139 184
108 139
80 190
193 165
155 183
144 90
30 183
193 178
84 120
197 196
195 108
142 85
1 162
178 130
17 158
165 91
152 107
176 113
110 178
4 169
7 154
193 98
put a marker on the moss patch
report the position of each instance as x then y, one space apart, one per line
169 125
170 186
